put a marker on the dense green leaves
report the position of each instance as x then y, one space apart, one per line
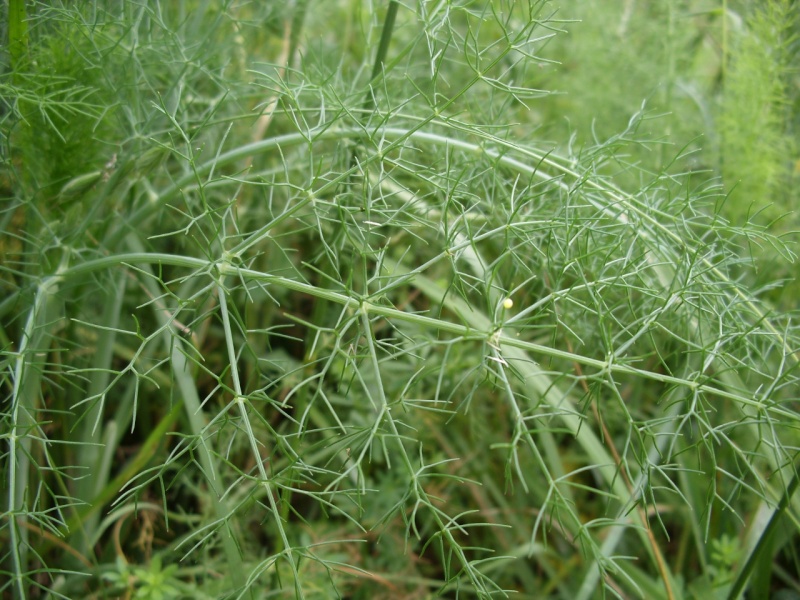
299 302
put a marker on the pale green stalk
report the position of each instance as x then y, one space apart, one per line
28 371
609 365
182 373
630 208
242 404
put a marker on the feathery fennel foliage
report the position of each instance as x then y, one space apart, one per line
758 149
292 308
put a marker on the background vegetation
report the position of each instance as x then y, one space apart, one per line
399 299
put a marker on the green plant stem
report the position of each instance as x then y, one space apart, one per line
620 205
466 332
764 540
28 372
187 388
89 488
17 33
383 50
616 198
384 414
609 365
242 404
470 256
298 19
